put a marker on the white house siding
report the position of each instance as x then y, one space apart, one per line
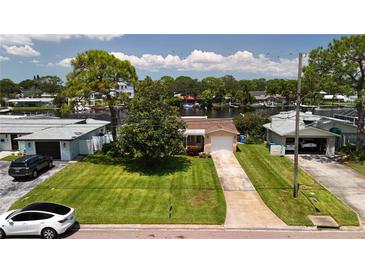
5 142
272 137
74 148
330 148
86 147
349 132
69 150
27 146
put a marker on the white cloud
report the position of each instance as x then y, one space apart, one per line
198 60
34 61
63 63
102 37
28 39
4 58
26 51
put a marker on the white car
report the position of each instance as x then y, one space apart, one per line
45 219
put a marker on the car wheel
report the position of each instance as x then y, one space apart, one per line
50 165
48 233
35 173
2 234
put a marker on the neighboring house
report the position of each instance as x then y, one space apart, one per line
346 130
29 93
47 95
122 86
31 102
63 139
210 135
339 98
281 131
261 97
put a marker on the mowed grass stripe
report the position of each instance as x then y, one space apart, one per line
107 192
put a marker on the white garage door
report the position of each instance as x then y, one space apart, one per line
222 143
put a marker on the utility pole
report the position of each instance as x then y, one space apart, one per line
297 111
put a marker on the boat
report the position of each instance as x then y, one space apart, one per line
233 105
6 110
188 106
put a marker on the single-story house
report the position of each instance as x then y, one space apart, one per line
63 139
346 130
262 97
281 131
339 98
210 134
31 102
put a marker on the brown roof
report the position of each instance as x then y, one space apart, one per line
211 125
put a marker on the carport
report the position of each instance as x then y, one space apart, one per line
307 145
312 140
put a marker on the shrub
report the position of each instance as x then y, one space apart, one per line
251 125
110 150
65 110
348 149
192 150
204 155
357 156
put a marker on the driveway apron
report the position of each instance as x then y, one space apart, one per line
11 190
245 208
343 181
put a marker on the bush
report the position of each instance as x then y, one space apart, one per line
110 150
192 150
357 156
204 155
348 149
251 125
65 110
254 140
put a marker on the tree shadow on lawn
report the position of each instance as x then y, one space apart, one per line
165 166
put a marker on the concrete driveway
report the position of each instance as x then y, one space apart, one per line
245 208
11 190
341 180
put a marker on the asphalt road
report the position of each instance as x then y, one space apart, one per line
211 234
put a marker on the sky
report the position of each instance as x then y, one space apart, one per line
197 56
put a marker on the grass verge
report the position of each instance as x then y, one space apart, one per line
358 166
272 177
10 158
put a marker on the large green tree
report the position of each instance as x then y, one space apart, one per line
8 88
99 71
153 129
216 85
341 66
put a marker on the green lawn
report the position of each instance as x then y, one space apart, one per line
358 166
106 191
272 177
10 158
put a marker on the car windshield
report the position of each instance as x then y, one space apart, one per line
14 164
12 214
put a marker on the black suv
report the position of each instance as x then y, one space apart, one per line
29 166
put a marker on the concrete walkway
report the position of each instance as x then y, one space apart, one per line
341 180
245 208
5 153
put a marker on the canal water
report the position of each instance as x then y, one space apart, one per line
225 112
